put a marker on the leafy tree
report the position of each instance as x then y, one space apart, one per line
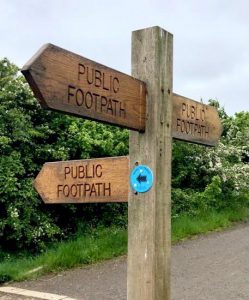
30 136
213 178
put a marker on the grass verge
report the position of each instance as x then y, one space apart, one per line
98 245
185 226
106 243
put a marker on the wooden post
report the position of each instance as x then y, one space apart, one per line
149 239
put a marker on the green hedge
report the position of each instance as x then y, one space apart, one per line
203 178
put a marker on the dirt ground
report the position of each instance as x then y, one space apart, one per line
213 266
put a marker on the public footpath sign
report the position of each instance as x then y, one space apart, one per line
82 181
67 82
195 122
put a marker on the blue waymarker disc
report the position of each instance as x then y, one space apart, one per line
141 179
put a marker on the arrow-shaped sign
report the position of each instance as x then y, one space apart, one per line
195 122
81 181
67 82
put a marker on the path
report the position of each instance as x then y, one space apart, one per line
211 267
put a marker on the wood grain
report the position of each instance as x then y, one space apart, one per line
149 215
82 181
195 122
67 82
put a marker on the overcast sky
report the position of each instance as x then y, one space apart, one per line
211 38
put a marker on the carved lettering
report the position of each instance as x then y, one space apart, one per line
192 120
96 102
88 171
105 87
98 78
192 128
89 77
83 171
79 97
98 171
122 111
78 190
81 70
103 102
70 92
89 100
193 112
107 189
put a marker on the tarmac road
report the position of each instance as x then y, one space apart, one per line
210 267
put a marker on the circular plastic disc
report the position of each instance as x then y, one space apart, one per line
141 179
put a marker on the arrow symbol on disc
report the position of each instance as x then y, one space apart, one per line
141 178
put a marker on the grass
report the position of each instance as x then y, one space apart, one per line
185 226
100 244
106 243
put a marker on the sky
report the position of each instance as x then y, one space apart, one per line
211 39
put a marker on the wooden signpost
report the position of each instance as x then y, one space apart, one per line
82 181
149 214
67 82
195 122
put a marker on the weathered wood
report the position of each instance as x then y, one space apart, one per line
67 82
195 122
82 181
149 238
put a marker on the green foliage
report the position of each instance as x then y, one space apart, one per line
213 178
186 171
185 226
203 178
30 136
89 248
